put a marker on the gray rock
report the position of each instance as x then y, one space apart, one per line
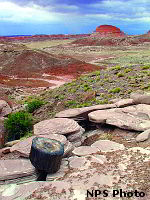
124 102
140 98
68 148
11 169
77 143
85 150
77 162
76 136
143 136
83 163
131 118
4 108
107 145
82 113
61 126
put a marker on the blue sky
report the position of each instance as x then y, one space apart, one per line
26 17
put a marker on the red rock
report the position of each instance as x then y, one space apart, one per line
105 30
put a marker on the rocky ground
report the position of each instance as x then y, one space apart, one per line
106 158
113 151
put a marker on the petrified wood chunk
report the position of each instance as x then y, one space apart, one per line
46 154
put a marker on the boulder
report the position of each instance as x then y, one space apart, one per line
24 147
107 145
140 98
82 113
76 136
131 118
143 136
60 126
5 109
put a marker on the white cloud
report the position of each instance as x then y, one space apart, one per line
99 16
131 11
30 13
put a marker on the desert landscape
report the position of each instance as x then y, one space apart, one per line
92 94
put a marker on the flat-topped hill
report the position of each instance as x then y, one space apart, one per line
109 30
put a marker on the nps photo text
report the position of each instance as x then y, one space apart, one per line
115 193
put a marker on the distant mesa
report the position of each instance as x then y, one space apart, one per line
148 32
108 30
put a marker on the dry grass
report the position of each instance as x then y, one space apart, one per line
47 43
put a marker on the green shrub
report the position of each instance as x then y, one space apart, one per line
17 125
33 105
115 90
145 67
127 70
120 74
117 67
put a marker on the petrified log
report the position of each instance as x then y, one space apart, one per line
46 154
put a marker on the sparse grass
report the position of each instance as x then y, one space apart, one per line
115 90
45 44
105 136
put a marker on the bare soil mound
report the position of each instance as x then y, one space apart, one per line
20 66
29 63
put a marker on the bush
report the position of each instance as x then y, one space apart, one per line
33 105
115 90
17 125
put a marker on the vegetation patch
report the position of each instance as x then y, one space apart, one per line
18 125
33 105
94 88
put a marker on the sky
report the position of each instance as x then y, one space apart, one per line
30 17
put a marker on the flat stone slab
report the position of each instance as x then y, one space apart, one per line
85 162
131 118
24 147
60 126
124 102
85 150
77 162
140 98
11 169
82 113
107 145
4 108
143 136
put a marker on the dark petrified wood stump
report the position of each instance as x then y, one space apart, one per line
46 155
